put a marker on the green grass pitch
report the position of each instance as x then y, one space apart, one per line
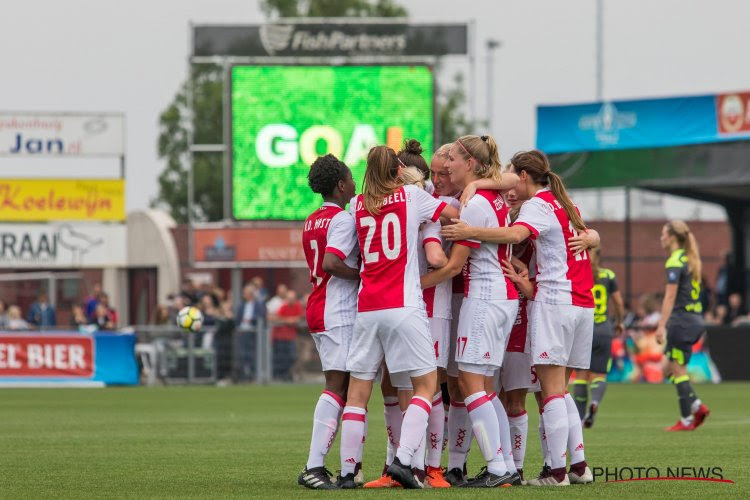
252 441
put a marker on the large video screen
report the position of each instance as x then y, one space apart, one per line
284 117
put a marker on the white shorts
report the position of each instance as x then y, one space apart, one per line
333 347
518 372
440 330
483 330
486 370
452 367
399 335
561 334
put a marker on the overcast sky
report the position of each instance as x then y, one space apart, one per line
105 55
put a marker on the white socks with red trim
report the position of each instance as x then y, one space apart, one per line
484 422
413 429
459 435
504 429
352 437
556 429
575 431
393 418
325 425
435 428
543 438
519 429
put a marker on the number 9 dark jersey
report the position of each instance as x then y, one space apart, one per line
688 288
604 286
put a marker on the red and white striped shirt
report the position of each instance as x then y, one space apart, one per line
333 300
389 243
562 278
483 275
438 298
519 340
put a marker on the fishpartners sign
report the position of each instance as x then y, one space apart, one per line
284 117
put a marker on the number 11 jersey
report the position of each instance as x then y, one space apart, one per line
388 243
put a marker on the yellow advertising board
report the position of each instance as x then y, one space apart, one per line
62 199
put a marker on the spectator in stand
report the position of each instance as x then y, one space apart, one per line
273 305
3 315
102 319
189 291
284 336
42 313
111 311
260 288
735 309
250 310
15 321
161 315
722 279
92 300
78 318
208 307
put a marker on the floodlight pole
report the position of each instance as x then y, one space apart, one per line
491 46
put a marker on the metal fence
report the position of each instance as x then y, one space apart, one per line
221 353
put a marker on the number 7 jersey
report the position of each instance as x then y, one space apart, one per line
330 229
389 243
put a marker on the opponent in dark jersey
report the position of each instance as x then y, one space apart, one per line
681 318
607 303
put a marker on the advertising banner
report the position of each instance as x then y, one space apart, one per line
63 245
68 357
248 245
648 123
61 134
62 199
331 38
284 117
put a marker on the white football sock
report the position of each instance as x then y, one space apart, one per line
504 429
325 425
556 429
352 435
435 428
484 422
413 429
519 429
393 418
364 438
575 431
459 435
543 439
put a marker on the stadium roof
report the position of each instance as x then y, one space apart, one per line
697 147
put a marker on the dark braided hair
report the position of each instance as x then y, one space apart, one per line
325 173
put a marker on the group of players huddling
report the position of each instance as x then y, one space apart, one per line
480 280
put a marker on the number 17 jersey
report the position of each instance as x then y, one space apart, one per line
389 242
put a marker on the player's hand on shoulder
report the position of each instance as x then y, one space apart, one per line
469 191
457 231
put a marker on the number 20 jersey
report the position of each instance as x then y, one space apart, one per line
331 304
388 243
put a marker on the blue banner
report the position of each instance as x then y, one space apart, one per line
640 123
68 358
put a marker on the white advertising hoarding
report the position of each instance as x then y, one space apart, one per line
61 134
63 245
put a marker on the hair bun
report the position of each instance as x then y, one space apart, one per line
413 146
484 138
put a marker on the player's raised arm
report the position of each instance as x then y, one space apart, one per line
462 231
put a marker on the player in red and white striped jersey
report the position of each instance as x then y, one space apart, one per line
331 251
391 323
458 432
561 314
488 310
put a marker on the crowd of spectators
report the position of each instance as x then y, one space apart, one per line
92 314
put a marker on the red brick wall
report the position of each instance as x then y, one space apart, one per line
647 256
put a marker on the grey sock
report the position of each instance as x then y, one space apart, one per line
581 396
598 386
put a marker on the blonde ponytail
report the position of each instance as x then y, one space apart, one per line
558 189
685 239
484 151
